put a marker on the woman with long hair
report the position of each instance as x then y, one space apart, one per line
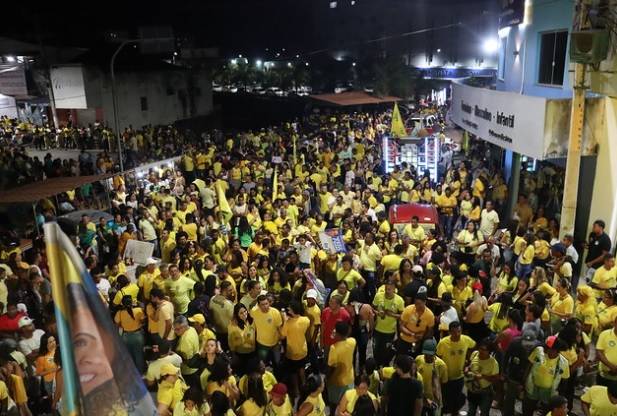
241 338
607 310
500 310
45 364
473 321
363 321
278 281
562 305
468 240
130 320
256 398
573 335
243 232
192 404
507 280
586 309
349 402
404 275
221 380
219 405
312 402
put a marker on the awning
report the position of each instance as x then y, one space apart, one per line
353 98
36 191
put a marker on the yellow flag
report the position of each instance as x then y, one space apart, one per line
398 127
224 207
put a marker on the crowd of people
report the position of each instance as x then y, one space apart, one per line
242 309
94 142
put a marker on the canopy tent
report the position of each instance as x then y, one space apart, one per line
34 192
352 98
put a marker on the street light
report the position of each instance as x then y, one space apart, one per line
491 45
258 63
114 99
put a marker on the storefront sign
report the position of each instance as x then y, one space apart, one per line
512 13
509 120
456 73
13 80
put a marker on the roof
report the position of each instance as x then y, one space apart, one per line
354 98
33 192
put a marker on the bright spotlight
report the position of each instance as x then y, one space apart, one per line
258 62
490 45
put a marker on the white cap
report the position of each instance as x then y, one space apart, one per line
311 294
150 261
417 269
24 321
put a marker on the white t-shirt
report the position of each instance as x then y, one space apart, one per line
488 221
103 286
28 345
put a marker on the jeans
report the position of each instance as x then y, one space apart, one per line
370 288
361 337
509 398
134 342
447 222
480 400
269 355
380 347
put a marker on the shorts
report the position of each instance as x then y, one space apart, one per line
295 365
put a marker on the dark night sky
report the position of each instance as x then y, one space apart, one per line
233 25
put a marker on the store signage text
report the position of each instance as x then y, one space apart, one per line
501 118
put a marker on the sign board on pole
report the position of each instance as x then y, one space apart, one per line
332 241
139 251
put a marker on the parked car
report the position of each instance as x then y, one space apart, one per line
401 215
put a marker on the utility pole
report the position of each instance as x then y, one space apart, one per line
575 139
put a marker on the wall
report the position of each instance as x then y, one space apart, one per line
603 204
542 16
166 95
8 107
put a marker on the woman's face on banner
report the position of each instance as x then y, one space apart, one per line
93 365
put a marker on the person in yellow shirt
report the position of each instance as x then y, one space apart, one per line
586 309
607 310
416 324
171 390
392 262
524 265
446 203
346 272
130 320
340 361
295 330
187 346
562 305
455 350
427 363
481 374
370 255
415 231
347 405
607 355
600 400
604 277
146 280
388 307
268 322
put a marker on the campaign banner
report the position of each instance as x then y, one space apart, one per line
139 251
332 241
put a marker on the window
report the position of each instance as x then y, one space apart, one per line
144 103
502 58
552 57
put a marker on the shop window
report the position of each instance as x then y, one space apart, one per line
552 61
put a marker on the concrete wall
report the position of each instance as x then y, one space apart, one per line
603 204
166 94
521 70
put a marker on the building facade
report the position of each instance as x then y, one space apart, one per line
528 115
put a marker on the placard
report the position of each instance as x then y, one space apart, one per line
332 241
139 251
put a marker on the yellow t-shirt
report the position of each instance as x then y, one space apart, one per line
599 402
319 406
170 393
341 358
454 354
606 315
416 234
267 379
391 262
250 408
188 346
565 305
181 292
295 329
352 397
527 256
545 374
267 325
605 279
128 323
607 343
146 282
351 277
387 324
518 244
426 370
488 367
417 324
497 324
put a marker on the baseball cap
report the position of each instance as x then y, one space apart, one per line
168 369
429 346
311 294
529 335
550 341
446 297
417 269
150 261
279 389
559 247
25 321
199 318
477 286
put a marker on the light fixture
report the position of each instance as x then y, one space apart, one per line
438 50
297 56
289 64
306 63
175 53
10 59
333 5
353 2
278 54
258 62
234 61
353 64
240 56
491 45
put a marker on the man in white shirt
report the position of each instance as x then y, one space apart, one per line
489 220
30 338
568 241
153 374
